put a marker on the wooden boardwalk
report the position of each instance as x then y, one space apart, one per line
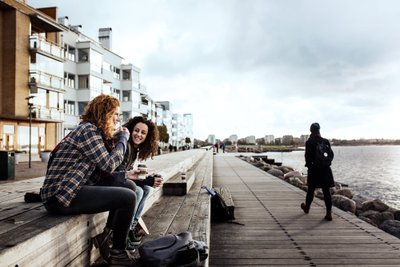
278 233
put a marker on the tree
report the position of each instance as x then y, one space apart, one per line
163 131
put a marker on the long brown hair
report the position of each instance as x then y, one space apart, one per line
148 148
100 111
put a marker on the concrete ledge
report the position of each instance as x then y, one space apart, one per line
29 236
179 186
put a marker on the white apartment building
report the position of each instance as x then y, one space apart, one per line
233 138
91 69
211 139
250 139
269 139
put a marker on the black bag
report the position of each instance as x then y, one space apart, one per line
173 250
323 154
220 212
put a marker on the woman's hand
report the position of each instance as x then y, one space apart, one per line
133 174
158 181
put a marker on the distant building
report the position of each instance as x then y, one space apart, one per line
269 139
287 140
233 138
211 139
250 139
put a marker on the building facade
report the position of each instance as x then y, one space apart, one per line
50 70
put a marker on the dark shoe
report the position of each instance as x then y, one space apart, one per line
120 257
102 242
130 246
134 237
328 216
305 208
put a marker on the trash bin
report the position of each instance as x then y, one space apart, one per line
7 165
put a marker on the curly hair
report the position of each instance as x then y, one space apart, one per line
100 111
148 148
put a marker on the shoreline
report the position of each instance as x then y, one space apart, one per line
373 211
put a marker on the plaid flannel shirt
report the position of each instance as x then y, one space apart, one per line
78 155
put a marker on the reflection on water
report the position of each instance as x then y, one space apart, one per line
373 171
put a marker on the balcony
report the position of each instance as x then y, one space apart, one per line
48 114
40 45
45 80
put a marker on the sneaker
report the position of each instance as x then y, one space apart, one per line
130 246
102 242
119 257
134 237
304 208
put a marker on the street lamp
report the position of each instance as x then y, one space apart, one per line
30 106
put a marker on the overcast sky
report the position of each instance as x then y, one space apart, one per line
250 67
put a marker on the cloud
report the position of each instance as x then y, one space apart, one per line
262 66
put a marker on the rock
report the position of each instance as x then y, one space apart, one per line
292 174
266 167
285 169
377 217
368 220
392 227
276 172
360 199
396 215
259 164
345 192
295 181
344 203
375 204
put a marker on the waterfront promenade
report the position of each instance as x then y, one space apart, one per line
278 233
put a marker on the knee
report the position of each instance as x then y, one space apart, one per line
146 190
139 192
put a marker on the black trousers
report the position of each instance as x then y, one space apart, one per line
119 201
327 197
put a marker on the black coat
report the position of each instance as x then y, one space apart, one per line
317 176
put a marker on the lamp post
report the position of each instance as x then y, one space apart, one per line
30 105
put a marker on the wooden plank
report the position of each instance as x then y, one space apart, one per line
177 186
277 232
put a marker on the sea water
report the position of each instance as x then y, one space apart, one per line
373 171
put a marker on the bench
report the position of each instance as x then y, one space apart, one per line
189 212
29 236
180 184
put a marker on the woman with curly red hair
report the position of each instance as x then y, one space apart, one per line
70 188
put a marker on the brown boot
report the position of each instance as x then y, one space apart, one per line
304 208
121 258
328 216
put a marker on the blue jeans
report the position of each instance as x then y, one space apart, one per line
141 193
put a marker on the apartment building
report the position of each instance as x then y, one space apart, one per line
31 77
50 63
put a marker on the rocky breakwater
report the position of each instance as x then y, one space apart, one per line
373 211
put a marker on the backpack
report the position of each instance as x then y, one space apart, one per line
323 154
220 212
173 250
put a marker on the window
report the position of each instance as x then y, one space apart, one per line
96 61
116 73
83 81
40 99
126 75
69 107
69 52
83 55
126 96
69 80
117 93
81 107
53 99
